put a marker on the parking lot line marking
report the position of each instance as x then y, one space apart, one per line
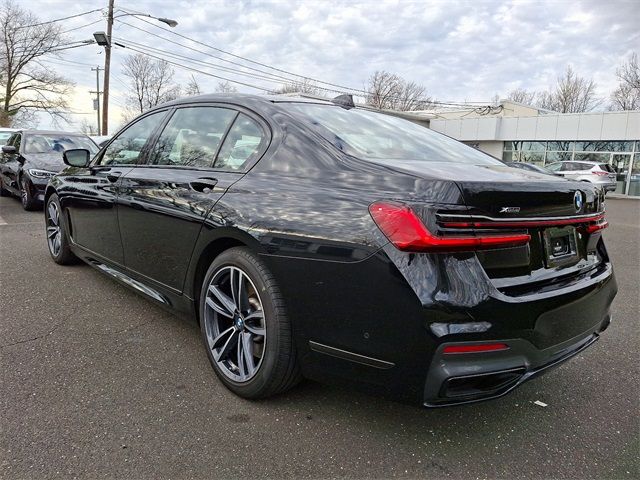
3 223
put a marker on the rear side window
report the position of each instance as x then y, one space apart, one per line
607 168
192 137
567 167
125 149
242 145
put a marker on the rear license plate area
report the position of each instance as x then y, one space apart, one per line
561 246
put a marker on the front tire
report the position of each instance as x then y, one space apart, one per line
3 191
57 238
245 329
26 197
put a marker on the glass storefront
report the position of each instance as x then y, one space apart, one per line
623 156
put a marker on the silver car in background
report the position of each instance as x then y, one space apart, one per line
601 174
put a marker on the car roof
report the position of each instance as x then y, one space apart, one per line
51 132
581 161
244 98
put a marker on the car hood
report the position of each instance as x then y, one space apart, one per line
51 162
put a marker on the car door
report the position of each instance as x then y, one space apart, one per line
163 203
11 165
89 195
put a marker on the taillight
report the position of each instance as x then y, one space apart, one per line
600 173
596 227
406 231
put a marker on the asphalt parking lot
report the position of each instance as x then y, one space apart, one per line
98 382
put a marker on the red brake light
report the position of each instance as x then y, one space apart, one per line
407 232
599 173
597 227
485 347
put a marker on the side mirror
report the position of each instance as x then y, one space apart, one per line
8 149
77 157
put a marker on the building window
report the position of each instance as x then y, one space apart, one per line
545 153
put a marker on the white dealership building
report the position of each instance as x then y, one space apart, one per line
515 132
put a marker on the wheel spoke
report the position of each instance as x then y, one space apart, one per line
253 322
56 243
222 311
240 355
235 280
53 214
228 345
224 300
247 348
52 231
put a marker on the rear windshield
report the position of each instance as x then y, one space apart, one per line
372 135
52 143
607 168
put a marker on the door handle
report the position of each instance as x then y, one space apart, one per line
204 185
113 176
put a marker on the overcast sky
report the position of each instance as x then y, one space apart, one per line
457 50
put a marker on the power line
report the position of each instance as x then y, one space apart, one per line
343 89
286 79
201 71
82 26
202 62
60 19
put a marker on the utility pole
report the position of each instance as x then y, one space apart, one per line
98 92
107 65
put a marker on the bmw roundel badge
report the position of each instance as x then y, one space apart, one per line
577 200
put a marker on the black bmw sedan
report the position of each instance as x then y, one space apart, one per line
31 157
314 239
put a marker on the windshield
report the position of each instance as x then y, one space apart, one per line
372 135
51 143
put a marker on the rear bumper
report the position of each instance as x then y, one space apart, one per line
382 328
496 374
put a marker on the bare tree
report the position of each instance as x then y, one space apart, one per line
87 127
572 94
27 86
627 95
521 95
304 86
383 88
226 87
151 82
192 88
388 91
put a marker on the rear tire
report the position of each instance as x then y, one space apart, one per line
250 348
56 232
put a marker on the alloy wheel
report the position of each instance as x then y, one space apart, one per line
24 195
235 324
54 232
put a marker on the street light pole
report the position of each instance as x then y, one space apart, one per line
98 92
107 67
104 39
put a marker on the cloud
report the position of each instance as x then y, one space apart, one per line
465 50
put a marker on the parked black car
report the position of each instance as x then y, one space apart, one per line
325 241
31 157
